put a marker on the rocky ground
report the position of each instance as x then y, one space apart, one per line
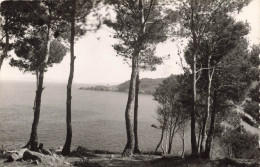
85 158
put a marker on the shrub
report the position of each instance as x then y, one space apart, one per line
239 143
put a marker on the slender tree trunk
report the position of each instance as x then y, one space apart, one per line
205 120
37 83
203 131
199 137
5 53
163 151
174 125
128 151
211 128
33 141
194 147
166 139
183 142
160 142
136 148
1 61
67 145
170 136
170 145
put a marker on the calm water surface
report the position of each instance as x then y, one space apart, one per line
97 117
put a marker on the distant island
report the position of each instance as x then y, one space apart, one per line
147 86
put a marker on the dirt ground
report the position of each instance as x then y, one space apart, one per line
116 160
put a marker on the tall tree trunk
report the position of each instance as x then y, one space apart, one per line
160 142
5 53
211 128
199 137
204 128
67 145
128 151
1 61
205 120
33 141
203 133
37 83
170 135
183 141
174 125
166 141
194 147
136 148
170 145
163 151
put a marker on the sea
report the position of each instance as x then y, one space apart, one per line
98 120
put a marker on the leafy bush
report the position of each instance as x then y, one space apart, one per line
251 106
239 143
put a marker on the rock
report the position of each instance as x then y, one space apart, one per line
16 155
59 149
50 164
46 151
52 150
13 157
66 163
56 156
31 155
36 162
36 157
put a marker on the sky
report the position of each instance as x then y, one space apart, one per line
96 61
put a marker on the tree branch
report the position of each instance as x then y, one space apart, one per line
204 69
2 38
199 74
149 10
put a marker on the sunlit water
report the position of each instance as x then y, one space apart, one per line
97 117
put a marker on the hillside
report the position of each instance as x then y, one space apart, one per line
147 86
